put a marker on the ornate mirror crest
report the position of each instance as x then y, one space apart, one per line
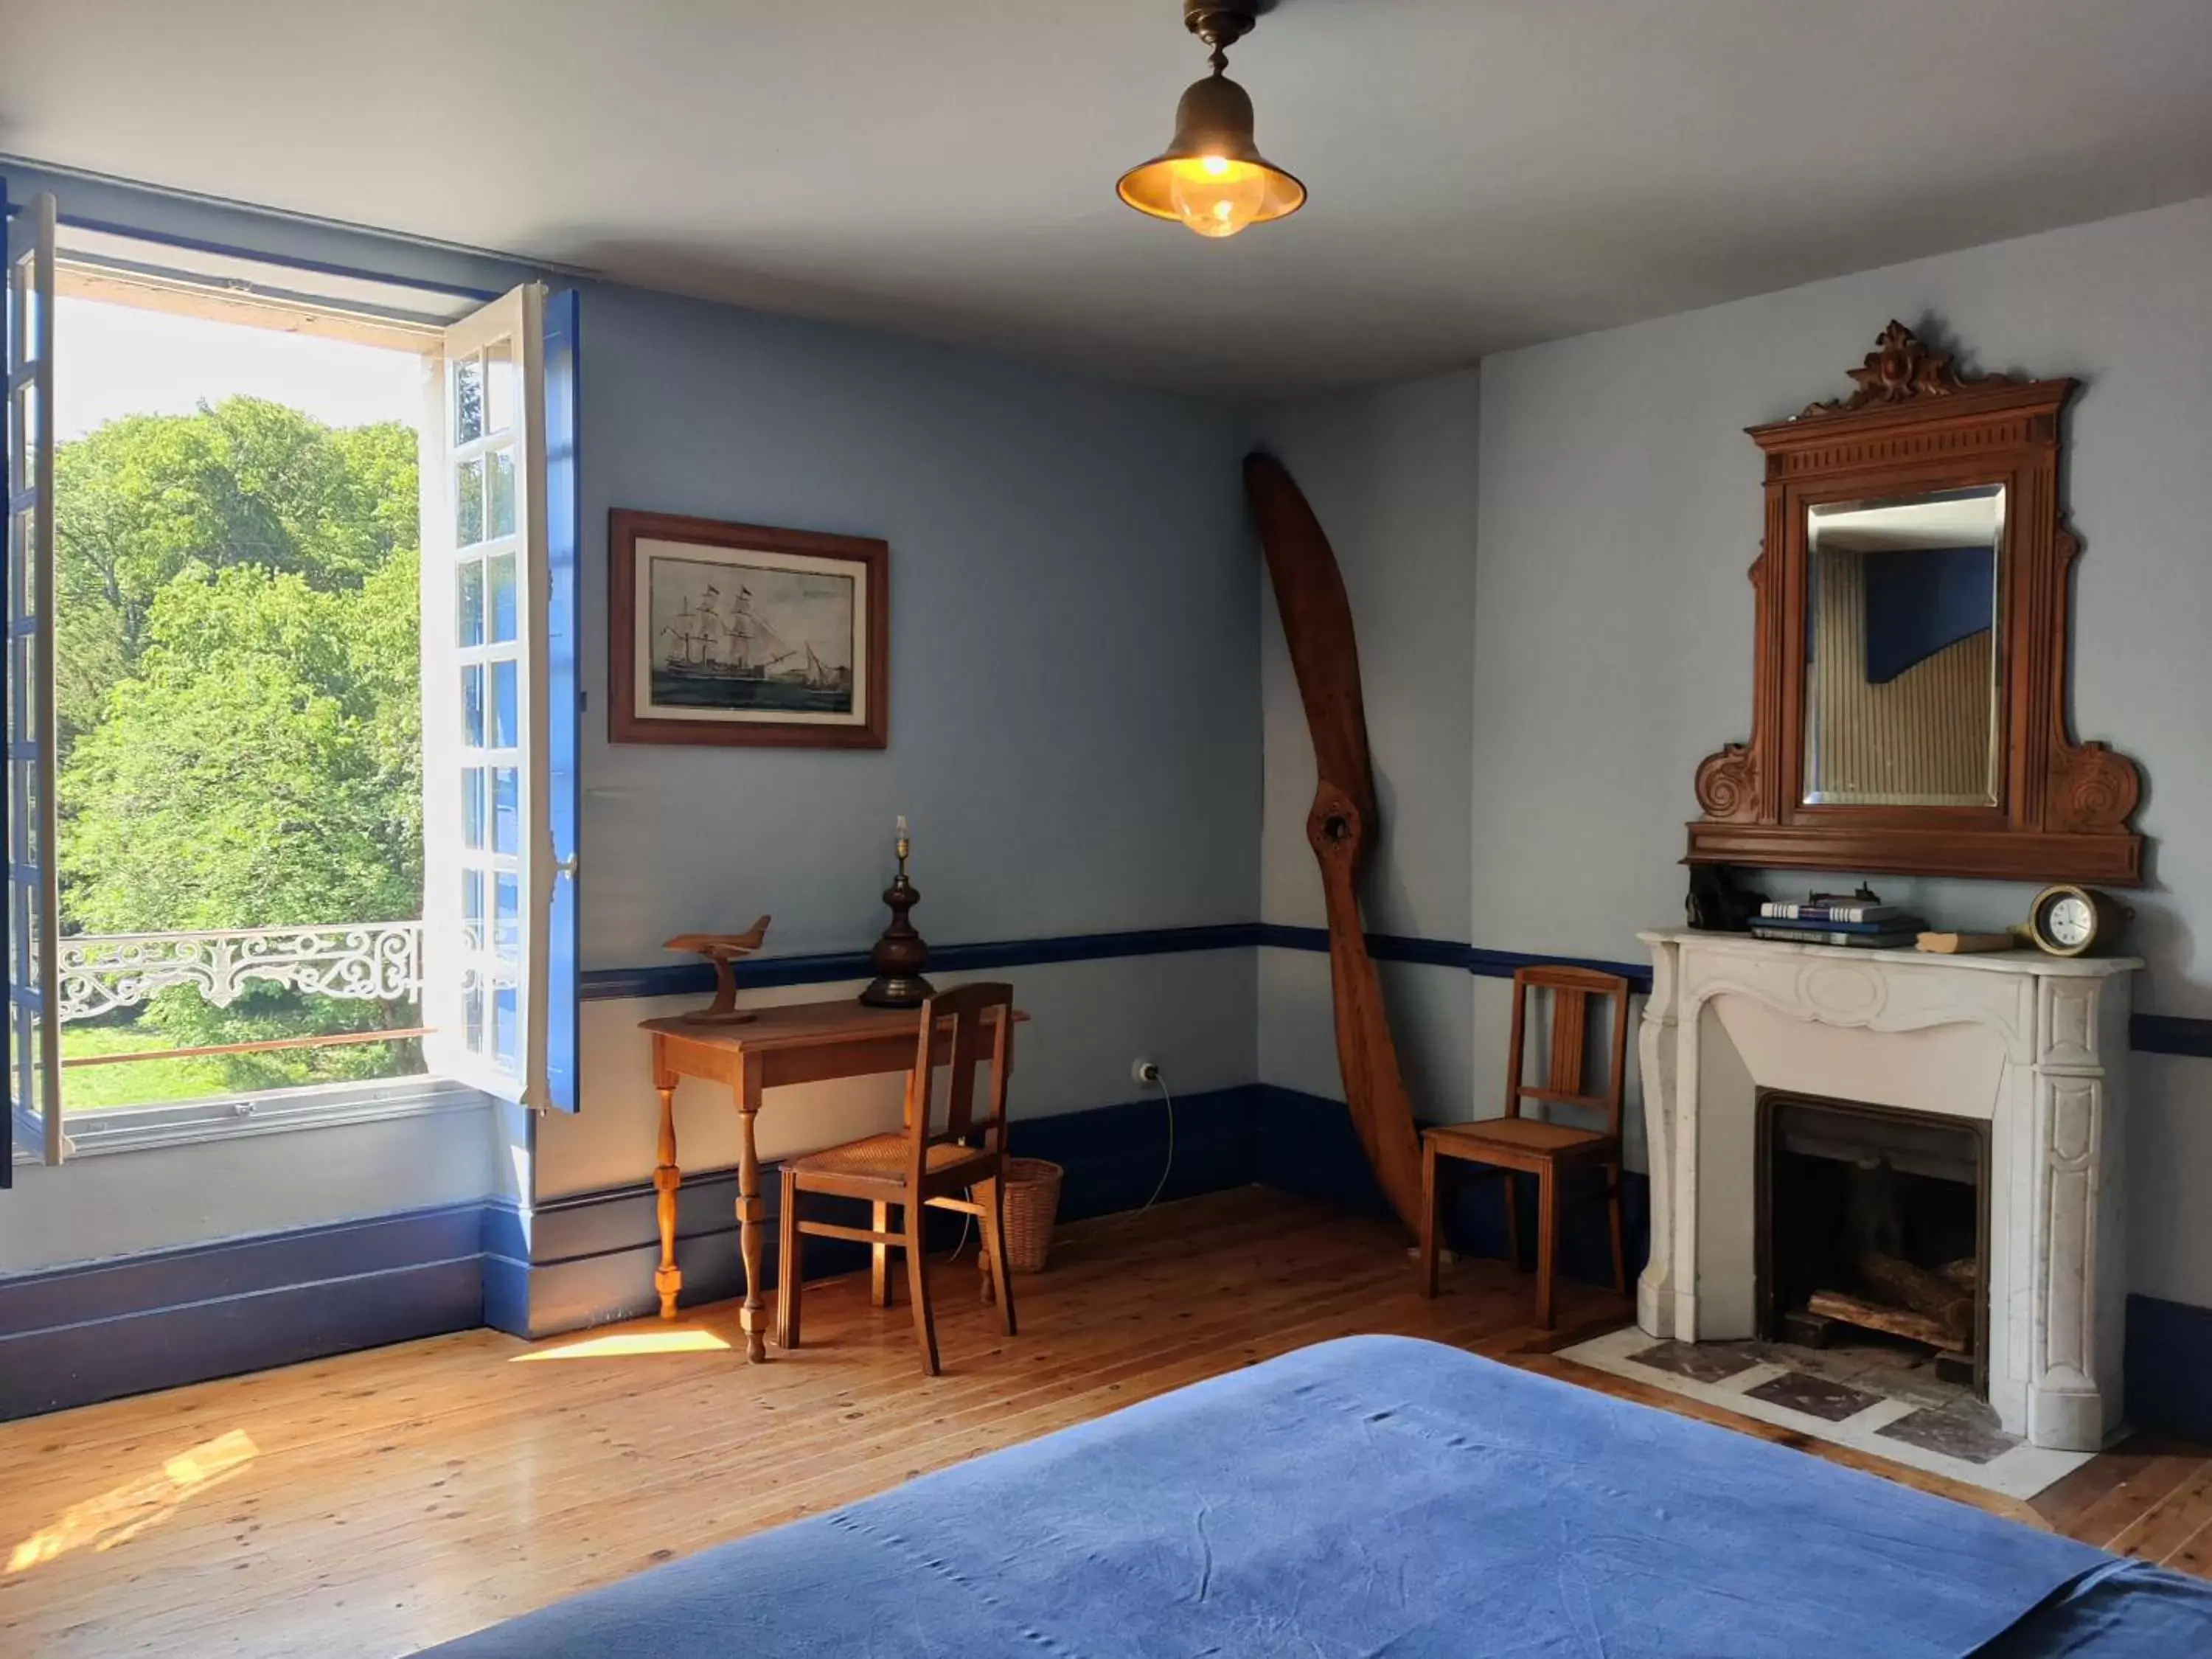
1909 708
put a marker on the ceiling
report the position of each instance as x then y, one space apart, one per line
1485 172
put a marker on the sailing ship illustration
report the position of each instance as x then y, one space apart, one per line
707 642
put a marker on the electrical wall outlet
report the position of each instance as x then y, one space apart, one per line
1144 1073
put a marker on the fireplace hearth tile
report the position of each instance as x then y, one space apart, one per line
1701 1361
1956 1436
1950 1433
1816 1396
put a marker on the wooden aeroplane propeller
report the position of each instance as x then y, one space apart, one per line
1325 658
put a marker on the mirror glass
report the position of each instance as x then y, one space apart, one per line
1900 658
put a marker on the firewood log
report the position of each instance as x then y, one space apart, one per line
1902 1284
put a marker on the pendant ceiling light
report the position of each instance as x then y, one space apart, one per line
1212 176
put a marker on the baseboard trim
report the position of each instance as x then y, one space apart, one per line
593 1255
1308 1146
2169 1368
78 1335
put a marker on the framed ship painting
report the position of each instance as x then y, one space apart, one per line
738 634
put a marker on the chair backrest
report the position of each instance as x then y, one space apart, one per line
1564 1082
958 1031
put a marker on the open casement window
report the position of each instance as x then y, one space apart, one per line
33 1030
498 637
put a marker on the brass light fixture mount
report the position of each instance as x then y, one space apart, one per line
1222 26
1212 176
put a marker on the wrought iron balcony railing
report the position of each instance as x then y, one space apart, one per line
370 961
364 962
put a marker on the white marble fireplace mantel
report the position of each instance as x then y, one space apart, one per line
2019 1040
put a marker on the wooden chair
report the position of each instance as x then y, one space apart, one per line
1515 1144
959 1167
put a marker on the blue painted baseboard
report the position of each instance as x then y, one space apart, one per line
2169 1368
77 1336
591 1255
80 1334
1307 1144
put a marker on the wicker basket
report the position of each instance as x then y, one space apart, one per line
1032 1201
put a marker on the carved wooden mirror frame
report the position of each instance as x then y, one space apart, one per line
1914 425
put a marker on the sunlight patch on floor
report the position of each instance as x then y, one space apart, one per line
116 1517
625 1344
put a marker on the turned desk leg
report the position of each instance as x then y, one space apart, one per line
752 1317
668 1278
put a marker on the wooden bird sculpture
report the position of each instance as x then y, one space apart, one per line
722 949
1325 658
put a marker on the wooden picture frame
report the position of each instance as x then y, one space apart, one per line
2060 809
746 634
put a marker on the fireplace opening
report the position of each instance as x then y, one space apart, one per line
1873 1229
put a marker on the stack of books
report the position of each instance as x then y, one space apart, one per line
1870 926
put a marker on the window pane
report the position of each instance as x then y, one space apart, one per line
469 600
472 806
506 721
506 810
506 918
468 401
502 598
472 705
500 483
506 1026
472 1013
468 504
27 428
498 387
472 930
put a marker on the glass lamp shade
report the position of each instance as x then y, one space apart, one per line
1212 176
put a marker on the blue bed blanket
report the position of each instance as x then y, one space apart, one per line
1376 1495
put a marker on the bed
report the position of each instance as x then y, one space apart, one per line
1384 1496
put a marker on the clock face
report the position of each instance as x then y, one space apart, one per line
2068 920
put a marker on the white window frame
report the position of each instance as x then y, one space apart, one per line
173 280
486 963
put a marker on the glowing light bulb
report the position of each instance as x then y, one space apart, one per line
1215 196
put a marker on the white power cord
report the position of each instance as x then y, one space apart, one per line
1148 1071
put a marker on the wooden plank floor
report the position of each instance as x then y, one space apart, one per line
379 1502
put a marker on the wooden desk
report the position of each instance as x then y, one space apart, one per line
798 1043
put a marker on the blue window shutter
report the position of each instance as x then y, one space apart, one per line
564 690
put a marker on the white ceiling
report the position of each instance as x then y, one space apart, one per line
1485 172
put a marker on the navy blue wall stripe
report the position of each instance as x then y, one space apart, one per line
2149 1034
2169 1033
689 978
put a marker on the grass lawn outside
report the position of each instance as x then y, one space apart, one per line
163 1082
153 1082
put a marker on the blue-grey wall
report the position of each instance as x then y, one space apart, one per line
1392 474
1074 731
1075 724
1607 642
